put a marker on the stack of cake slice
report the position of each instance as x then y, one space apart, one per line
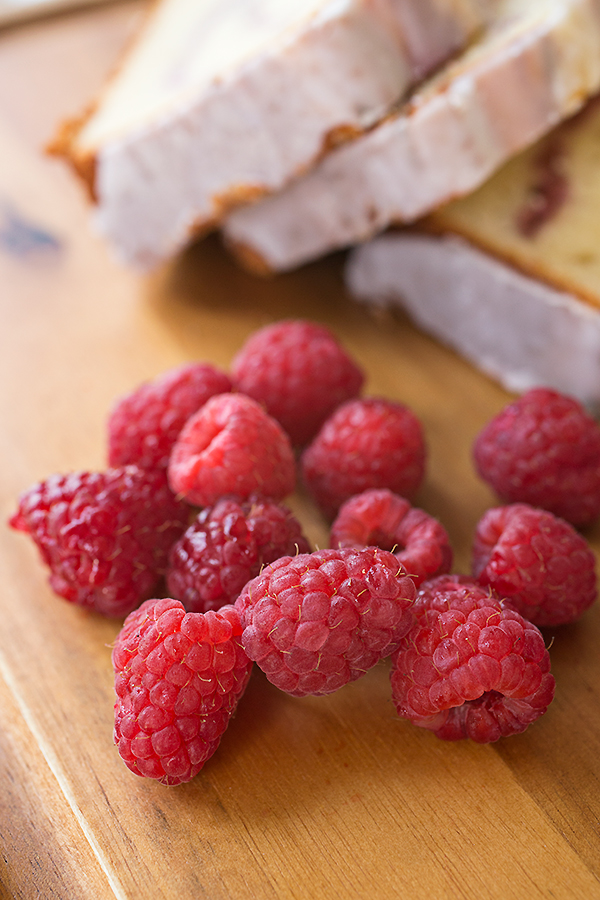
221 101
509 276
537 63
304 126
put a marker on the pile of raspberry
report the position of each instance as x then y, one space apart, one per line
187 537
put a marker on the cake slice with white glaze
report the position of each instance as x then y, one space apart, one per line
509 276
535 65
221 101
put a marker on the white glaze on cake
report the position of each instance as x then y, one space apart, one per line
220 101
534 67
516 329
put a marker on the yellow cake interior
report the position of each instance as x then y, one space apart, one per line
541 211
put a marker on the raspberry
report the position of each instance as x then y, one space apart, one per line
469 666
316 621
144 425
299 371
371 443
536 561
105 536
544 450
226 546
178 679
231 446
386 520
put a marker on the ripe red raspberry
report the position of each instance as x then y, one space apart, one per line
470 667
231 446
144 425
371 443
384 519
178 679
316 621
543 449
105 536
226 546
299 371
536 561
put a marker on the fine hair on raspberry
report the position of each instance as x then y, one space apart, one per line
105 536
178 679
226 546
317 621
537 561
384 519
470 666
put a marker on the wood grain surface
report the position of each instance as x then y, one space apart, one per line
306 798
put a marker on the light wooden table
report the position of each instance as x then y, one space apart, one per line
314 798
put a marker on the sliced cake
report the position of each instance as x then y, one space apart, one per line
535 65
221 101
509 276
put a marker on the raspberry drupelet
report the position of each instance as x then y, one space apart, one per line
178 679
384 519
231 446
226 546
367 443
144 425
105 536
300 372
317 621
470 667
536 561
544 450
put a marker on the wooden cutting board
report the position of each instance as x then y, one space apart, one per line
306 798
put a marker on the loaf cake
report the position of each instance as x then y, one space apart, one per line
535 65
221 101
509 276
